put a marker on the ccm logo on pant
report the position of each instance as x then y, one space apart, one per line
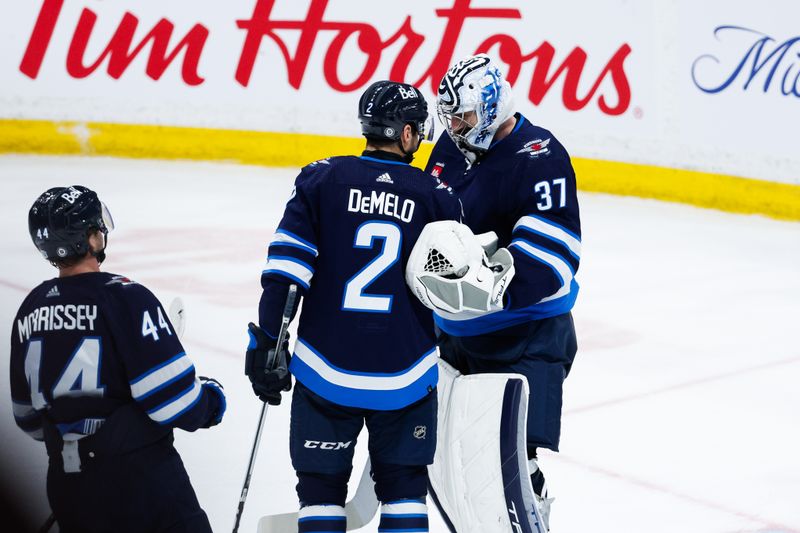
315 444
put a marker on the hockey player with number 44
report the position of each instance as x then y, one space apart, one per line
515 179
98 373
366 350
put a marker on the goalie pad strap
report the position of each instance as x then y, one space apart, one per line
514 459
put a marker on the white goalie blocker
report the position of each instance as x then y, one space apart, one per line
479 479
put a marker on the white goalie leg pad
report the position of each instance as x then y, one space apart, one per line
479 478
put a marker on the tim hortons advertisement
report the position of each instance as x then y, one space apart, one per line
296 65
709 86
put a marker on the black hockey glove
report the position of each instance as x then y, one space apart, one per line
267 368
215 388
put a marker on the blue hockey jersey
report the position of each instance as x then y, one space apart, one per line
83 346
364 340
523 189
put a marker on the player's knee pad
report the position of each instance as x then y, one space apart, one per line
314 488
398 482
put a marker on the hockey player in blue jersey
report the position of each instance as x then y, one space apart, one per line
98 373
365 351
516 179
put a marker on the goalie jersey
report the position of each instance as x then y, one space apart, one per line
523 189
349 226
83 346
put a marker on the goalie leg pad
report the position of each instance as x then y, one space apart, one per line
479 478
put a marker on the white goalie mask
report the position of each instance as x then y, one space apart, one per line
473 100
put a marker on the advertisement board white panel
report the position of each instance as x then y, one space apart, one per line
642 82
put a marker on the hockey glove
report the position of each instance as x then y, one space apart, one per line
267 368
214 388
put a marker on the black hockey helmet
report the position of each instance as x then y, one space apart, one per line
387 106
61 220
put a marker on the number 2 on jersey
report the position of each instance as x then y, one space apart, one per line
354 298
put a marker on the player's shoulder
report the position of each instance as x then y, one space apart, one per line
125 290
535 145
35 295
324 166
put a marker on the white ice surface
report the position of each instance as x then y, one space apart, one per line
682 411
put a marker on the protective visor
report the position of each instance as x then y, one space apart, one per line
108 220
426 129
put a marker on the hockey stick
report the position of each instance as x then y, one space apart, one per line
360 510
287 316
177 315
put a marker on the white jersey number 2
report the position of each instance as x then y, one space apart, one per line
354 298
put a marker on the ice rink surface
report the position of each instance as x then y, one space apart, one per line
682 411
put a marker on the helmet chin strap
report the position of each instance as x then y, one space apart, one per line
101 254
408 157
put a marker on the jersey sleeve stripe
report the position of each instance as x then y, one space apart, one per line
291 268
293 245
166 377
291 259
560 268
177 405
283 236
552 231
36 434
159 373
289 276
363 380
22 410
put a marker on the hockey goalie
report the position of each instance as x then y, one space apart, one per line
480 478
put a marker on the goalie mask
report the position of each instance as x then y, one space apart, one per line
473 100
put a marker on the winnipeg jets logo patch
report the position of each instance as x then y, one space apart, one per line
120 280
536 148
436 171
441 184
